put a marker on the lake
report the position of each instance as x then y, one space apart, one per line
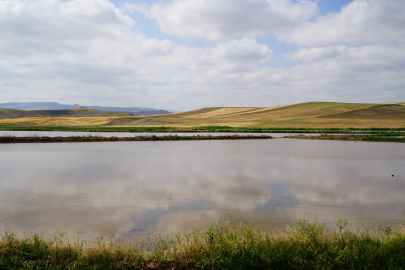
128 189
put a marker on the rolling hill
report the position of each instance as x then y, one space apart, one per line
81 112
306 115
311 115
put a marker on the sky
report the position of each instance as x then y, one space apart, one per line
189 54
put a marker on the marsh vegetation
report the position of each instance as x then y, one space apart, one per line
305 245
378 137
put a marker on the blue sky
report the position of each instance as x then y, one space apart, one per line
188 54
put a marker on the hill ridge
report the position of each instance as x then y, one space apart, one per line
302 115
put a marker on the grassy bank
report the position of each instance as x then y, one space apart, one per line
305 245
383 137
197 129
45 139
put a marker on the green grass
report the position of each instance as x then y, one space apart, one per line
304 245
380 137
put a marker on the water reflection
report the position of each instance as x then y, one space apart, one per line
132 188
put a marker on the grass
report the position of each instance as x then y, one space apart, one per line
305 245
381 137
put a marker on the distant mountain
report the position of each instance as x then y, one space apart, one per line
57 106
38 106
152 112
120 109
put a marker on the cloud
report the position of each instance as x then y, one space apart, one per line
361 22
107 62
244 50
317 53
89 52
58 47
367 55
223 19
343 73
238 56
52 26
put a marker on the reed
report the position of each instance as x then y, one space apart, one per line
304 245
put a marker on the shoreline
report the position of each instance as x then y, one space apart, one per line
362 138
202 129
59 139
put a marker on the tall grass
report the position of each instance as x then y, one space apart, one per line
305 245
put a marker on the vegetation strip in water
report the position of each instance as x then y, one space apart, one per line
197 129
370 138
304 245
45 139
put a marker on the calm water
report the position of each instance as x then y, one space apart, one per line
131 188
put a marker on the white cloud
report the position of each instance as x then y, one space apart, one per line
221 19
317 53
233 56
366 55
106 62
361 22
345 74
244 50
51 26
69 48
88 52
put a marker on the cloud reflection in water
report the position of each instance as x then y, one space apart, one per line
129 188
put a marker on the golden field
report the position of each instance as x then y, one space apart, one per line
305 115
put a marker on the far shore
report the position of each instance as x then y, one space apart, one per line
59 139
367 138
382 137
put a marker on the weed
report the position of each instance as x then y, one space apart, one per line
307 244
